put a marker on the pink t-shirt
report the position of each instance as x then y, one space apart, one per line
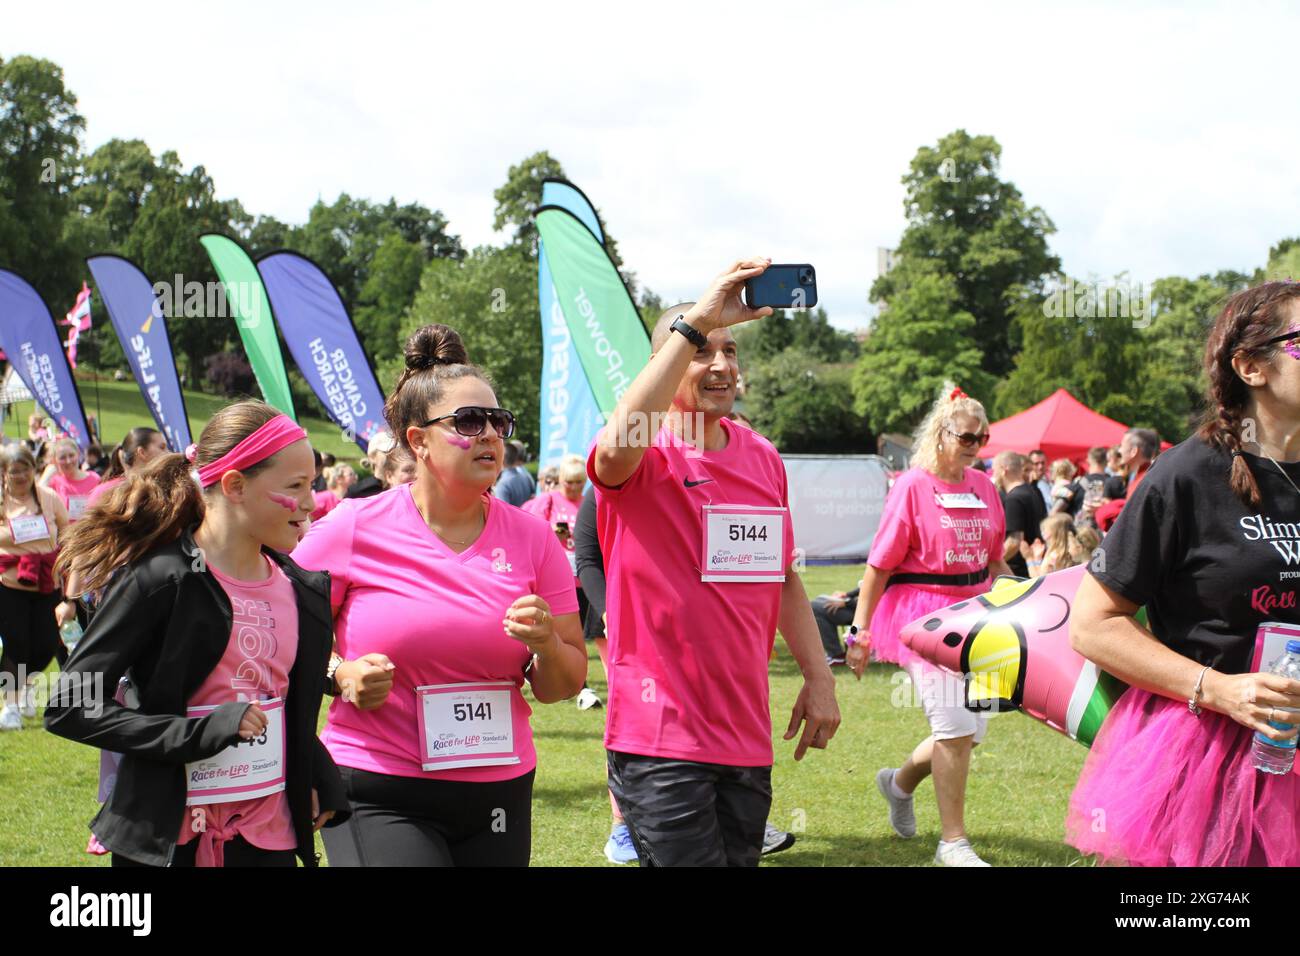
263 646
103 488
397 589
554 507
326 501
67 489
688 658
931 526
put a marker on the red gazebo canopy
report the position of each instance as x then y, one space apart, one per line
1061 425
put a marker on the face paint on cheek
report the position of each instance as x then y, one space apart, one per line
459 441
284 501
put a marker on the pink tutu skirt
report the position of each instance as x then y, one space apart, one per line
1163 788
902 604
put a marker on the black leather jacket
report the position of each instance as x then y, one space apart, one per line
166 619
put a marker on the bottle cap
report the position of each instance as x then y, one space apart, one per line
1293 647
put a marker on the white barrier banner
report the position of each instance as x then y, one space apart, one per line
836 503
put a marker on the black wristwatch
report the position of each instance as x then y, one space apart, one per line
697 338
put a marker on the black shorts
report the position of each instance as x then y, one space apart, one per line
28 628
415 821
682 813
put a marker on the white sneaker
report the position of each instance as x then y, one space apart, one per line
957 853
902 815
10 718
26 701
774 840
587 699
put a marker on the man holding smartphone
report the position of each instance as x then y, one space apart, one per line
694 523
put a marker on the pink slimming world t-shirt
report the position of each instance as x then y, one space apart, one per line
928 526
399 590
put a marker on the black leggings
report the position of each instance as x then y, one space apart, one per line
413 821
28 629
236 852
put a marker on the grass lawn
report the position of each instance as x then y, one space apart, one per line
1020 782
122 408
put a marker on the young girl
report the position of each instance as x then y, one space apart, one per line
1057 549
72 483
227 642
141 446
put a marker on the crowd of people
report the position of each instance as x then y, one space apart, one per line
227 590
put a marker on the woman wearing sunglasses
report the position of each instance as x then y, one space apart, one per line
444 601
1207 545
940 540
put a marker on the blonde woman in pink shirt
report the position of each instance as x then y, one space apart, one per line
456 598
940 540
72 483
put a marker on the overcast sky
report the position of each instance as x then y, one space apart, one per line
1160 138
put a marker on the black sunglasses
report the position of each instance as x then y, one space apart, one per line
969 439
470 420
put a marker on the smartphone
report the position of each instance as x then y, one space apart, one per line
783 287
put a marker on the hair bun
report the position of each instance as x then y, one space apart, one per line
435 345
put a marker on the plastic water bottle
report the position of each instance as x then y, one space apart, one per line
1277 756
71 634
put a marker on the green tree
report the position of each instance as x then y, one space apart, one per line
392 281
114 185
1173 347
519 198
1284 260
343 237
1094 356
807 329
979 231
804 405
920 340
490 298
40 149
179 207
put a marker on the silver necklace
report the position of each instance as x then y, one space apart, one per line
1279 468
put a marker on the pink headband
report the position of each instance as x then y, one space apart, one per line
279 432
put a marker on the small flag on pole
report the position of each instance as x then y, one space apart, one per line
79 317
78 321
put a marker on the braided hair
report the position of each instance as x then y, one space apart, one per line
1249 319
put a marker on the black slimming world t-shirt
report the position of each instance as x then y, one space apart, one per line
1208 568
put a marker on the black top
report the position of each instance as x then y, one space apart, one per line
168 623
1025 511
364 488
591 565
1208 569
1115 487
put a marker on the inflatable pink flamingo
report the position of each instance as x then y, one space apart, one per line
1013 645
